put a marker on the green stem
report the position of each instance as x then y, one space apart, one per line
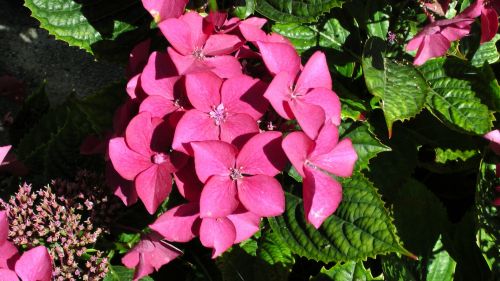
212 4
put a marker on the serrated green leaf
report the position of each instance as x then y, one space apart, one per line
453 97
442 266
359 228
491 93
294 10
92 25
396 269
364 141
400 87
487 52
121 273
244 8
371 16
446 155
349 271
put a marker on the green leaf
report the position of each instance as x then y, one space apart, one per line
372 16
364 141
349 271
244 10
121 273
487 52
295 10
359 228
95 26
400 87
396 269
453 98
446 155
442 265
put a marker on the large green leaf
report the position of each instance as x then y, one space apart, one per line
96 26
365 142
295 10
487 52
453 97
121 273
349 271
361 227
400 87
442 266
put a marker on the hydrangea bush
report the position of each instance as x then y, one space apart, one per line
261 140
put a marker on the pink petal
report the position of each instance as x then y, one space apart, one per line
35 265
94 144
243 94
218 198
213 158
262 154
280 57
139 134
203 90
183 63
309 116
8 275
159 76
473 11
178 34
158 106
322 195
194 126
138 58
453 33
278 93
237 128
179 224
4 227
224 66
251 32
161 10
493 136
3 152
328 100
200 29
315 73
217 233
489 24
340 161
221 44
8 255
297 146
262 195
153 186
245 222
127 162
415 42
122 188
327 139
187 182
434 45
123 115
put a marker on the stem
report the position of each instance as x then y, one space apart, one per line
212 4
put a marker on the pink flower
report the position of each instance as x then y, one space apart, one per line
138 58
196 49
3 152
313 160
494 138
306 96
222 111
143 156
33 265
150 254
164 9
438 6
246 176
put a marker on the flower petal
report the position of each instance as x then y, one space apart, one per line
127 162
246 224
262 195
297 146
158 106
8 255
322 195
278 94
203 90
179 224
218 198
194 126
138 58
237 128
153 186
309 116
178 34
223 66
434 45
8 275
122 188
183 63
243 94
339 161
159 76
217 233
327 139
262 154
3 152
200 28
315 73
213 158
161 10
280 57
187 182
489 24
4 227
221 44
139 134
328 100
35 265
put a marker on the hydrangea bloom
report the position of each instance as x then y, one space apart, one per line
3 152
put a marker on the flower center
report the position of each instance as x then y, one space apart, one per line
235 174
159 158
198 54
218 113
294 92
310 164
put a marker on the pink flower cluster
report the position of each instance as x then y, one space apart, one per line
33 265
435 39
209 114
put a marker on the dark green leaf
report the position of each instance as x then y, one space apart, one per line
487 52
349 271
294 10
121 273
441 266
244 8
